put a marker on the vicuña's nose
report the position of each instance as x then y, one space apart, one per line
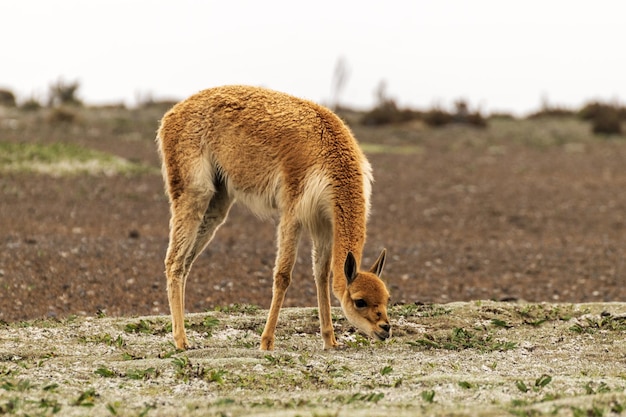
386 327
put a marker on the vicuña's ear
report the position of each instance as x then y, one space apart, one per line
350 268
378 266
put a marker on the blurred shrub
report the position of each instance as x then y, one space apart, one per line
605 118
552 112
501 116
590 110
437 117
387 112
462 114
476 119
7 98
32 104
64 93
61 115
608 124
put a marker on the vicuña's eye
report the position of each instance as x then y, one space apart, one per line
360 303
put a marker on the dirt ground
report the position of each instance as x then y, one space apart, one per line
464 214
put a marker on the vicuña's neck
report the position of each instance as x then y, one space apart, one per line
348 236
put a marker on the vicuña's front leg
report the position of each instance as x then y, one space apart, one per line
176 273
321 270
288 236
175 292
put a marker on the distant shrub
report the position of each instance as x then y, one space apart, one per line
7 98
437 117
605 118
501 116
64 93
32 104
607 122
552 112
590 110
109 106
595 108
387 112
464 115
61 115
475 119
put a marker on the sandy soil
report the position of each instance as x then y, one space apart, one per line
460 359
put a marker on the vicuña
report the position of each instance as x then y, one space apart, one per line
276 154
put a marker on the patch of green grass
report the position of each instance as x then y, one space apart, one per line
86 398
104 338
386 370
358 341
63 159
49 406
186 371
460 339
539 384
428 396
142 374
538 314
373 397
465 385
136 374
210 322
21 385
11 406
145 326
605 321
237 308
391 149
105 372
593 388
279 360
142 326
500 323
419 310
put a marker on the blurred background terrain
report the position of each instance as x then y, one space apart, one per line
469 206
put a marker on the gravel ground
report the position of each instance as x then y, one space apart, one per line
507 213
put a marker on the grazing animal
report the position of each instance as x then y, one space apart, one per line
276 154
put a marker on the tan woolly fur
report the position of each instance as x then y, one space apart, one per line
278 155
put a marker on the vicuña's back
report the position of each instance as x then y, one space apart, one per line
276 154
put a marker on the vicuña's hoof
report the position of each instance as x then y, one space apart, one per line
182 344
333 345
267 344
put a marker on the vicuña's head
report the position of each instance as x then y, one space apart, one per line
365 301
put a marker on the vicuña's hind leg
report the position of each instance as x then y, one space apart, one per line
214 217
322 256
195 217
187 212
288 236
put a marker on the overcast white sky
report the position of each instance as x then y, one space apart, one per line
499 55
